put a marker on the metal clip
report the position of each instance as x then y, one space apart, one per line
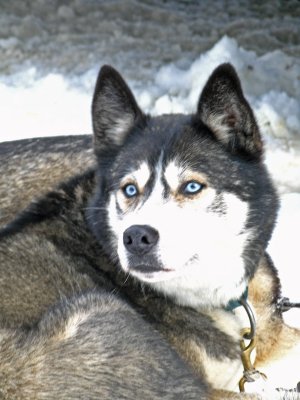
284 304
250 373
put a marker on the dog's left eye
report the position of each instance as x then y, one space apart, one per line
130 190
192 187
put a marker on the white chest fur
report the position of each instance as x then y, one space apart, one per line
225 373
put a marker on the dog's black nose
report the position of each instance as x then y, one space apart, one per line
140 239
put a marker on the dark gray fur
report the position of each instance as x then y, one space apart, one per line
114 354
30 168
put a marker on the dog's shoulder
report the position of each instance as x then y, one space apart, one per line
69 196
30 168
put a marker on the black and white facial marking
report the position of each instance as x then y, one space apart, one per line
184 202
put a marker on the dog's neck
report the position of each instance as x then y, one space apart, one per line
237 310
231 321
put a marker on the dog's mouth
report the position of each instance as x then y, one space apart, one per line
146 265
146 269
154 271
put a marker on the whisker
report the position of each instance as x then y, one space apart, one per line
126 279
93 208
96 222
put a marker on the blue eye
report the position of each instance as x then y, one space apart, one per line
130 190
192 187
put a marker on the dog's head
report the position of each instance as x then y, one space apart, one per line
184 202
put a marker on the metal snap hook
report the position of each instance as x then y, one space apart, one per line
249 335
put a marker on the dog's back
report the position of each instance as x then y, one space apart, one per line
30 168
90 347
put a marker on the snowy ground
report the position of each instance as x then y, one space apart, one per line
50 53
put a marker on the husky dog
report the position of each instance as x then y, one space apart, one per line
126 281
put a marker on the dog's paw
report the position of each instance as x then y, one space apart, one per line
266 392
291 394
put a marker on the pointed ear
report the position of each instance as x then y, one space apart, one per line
114 109
224 109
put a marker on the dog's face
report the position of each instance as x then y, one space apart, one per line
184 202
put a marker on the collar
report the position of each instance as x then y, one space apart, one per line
242 301
233 304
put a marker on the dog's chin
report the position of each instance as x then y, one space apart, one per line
150 274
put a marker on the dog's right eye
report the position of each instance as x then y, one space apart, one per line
130 190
